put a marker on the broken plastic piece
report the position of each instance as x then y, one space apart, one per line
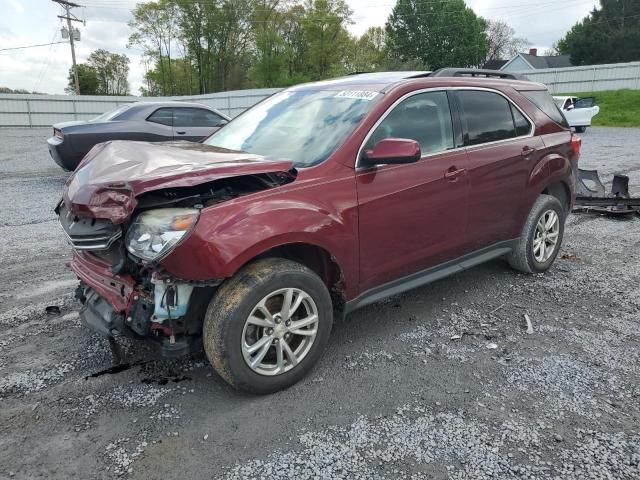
592 197
529 324
52 310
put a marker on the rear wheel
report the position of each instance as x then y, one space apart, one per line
581 129
267 326
541 236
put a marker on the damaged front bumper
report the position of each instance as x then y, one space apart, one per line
165 312
592 197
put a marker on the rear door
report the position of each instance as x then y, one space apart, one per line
413 216
502 152
195 124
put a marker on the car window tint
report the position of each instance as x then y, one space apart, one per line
487 116
195 117
523 127
163 116
544 101
425 118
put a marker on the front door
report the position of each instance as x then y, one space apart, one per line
413 216
194 124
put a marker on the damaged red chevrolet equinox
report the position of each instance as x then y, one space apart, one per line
321 199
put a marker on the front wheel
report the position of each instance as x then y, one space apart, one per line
541 237
268 325
581 129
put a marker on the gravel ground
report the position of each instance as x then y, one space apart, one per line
441 382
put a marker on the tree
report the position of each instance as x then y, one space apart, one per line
609 34
111 72
437 33
367 53
155 26
503 44
185 79
87 78
325 34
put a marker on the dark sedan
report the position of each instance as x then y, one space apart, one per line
146 121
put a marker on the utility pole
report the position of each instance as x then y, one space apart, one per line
70 17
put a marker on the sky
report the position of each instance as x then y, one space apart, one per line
44 69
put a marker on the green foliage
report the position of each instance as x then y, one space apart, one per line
609 34
105 73
367 53
618 108
326 37
201 46
87 78
437 33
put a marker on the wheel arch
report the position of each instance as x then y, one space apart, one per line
561 191
319 260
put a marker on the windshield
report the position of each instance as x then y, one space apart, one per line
302 126
111 114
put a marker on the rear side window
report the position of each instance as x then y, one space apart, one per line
163 116
544 101
487 116
195 117
424 117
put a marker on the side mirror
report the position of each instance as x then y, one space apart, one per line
222 123
392 151
569 107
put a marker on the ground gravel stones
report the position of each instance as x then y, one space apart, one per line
408 388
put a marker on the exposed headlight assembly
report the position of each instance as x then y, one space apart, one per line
155 233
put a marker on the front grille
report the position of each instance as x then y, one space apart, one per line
86 233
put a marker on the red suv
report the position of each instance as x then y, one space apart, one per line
319 200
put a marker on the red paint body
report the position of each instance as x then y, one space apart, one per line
385 222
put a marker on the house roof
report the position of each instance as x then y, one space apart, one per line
494 64
541 61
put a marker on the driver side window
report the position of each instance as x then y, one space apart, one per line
425 118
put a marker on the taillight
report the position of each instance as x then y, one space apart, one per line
58 133
576 143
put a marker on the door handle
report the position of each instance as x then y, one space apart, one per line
453 173
527 151
181 133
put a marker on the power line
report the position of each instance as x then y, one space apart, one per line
31 46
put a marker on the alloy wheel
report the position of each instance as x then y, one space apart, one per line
280 331
545 238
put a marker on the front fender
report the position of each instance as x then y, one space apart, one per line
229 235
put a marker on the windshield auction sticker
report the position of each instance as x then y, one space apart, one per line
358 94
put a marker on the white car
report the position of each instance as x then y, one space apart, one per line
578 111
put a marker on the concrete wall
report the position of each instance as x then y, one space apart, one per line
19 110
614 76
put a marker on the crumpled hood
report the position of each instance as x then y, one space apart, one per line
113 174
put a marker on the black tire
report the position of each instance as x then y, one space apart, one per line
581 129
234 302
522 257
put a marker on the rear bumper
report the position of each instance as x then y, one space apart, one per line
61 155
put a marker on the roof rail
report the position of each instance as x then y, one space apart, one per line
476 72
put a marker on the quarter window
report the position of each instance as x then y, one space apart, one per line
424 117
163 116
544 101
487 116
